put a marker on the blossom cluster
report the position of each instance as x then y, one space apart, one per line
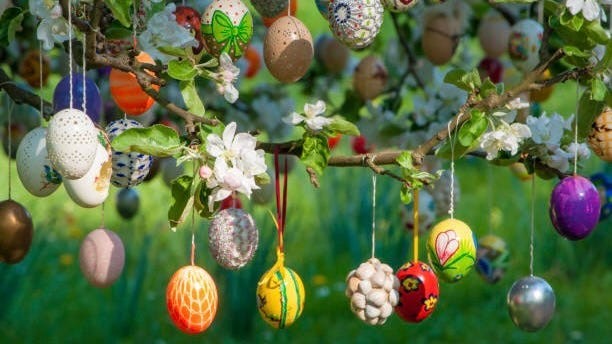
53 28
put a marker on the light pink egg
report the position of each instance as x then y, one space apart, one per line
102 257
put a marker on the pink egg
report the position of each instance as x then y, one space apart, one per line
102 257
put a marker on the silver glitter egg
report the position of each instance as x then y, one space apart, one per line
233 238
531 303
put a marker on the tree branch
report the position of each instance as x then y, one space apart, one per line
23 96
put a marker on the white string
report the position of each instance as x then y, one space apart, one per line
373 214
70 51
541 12
576 128
84 72
451 210
289 8
532 222
40 76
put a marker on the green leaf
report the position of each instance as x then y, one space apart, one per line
341 126
262 179
192 98
182 70
588 110
597 33
405 194
464 80
117 31
405 160
570 50
488 88
182 201
10 22
174 51
598 90
472 129
573 22
158 140
315 152
121 10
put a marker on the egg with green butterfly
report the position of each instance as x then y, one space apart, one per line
227 27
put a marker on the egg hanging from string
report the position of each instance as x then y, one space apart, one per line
61 96
102 257
227 27
370 77
451 250
129 169
332 54
192 299
356 23
32 68
280 295
574 207
33 165
127 203
288 50
372 291
91 190
524 44
440 39
419 291
126 91
399 5
492 258
493 34
544 93
16 231
531 303
233 238
600 137
286 11
492 68
72 142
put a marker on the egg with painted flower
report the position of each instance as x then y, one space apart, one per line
419 291
227 27
33 165
524 44
451 250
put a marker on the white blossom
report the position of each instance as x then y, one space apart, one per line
311 116
590 8
53 28
583 150
507 138
231 146
225 78
546 130
517 103
226 180
558 159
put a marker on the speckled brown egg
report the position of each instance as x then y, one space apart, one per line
440 39
102 257
493 34
288 49
600 138
370 77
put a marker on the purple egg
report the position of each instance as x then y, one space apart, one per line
574 207
61 96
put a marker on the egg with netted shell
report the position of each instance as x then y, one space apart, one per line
233 238
129 169
356 23
33 165
72 141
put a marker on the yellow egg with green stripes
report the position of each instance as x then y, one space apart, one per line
280 296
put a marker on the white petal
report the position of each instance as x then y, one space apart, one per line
243 141
574 6
228 135
317 123
312 110
590 10
231 93
43 33
294 119
214 145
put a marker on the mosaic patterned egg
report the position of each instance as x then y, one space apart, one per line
418 292
323 7
370 77
129 169
524 44
33 165
574 207
280 295
451 250
102 257
126 91
233 238
399 5
355 23
269 8
191 299
493 33
372 291
72 141
492 258
227 27
288 50
600 138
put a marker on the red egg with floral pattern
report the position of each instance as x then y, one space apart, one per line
418 292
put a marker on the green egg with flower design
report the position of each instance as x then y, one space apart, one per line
227 27
451 250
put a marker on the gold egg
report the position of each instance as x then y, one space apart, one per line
16 232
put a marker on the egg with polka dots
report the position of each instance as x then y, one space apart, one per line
129 169
227 27
288 49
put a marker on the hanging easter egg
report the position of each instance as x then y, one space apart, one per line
16 231
280 295
493 33
288 49
603 183
16 132
492 68
128 203
492 259
129 169
72 141
91 190
191 299
61 96
451 249
427 212
227 27
600 138
524 44
332 54
574 207
253 58
370 77
126 91
440 38
399 5
544 93
268 21
233 238
360 145
33 165
520 171
418 292
33 69
102 257
355 23
323 7
531 303
270 8
191 20
372 290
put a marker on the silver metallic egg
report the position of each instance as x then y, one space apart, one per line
531 303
